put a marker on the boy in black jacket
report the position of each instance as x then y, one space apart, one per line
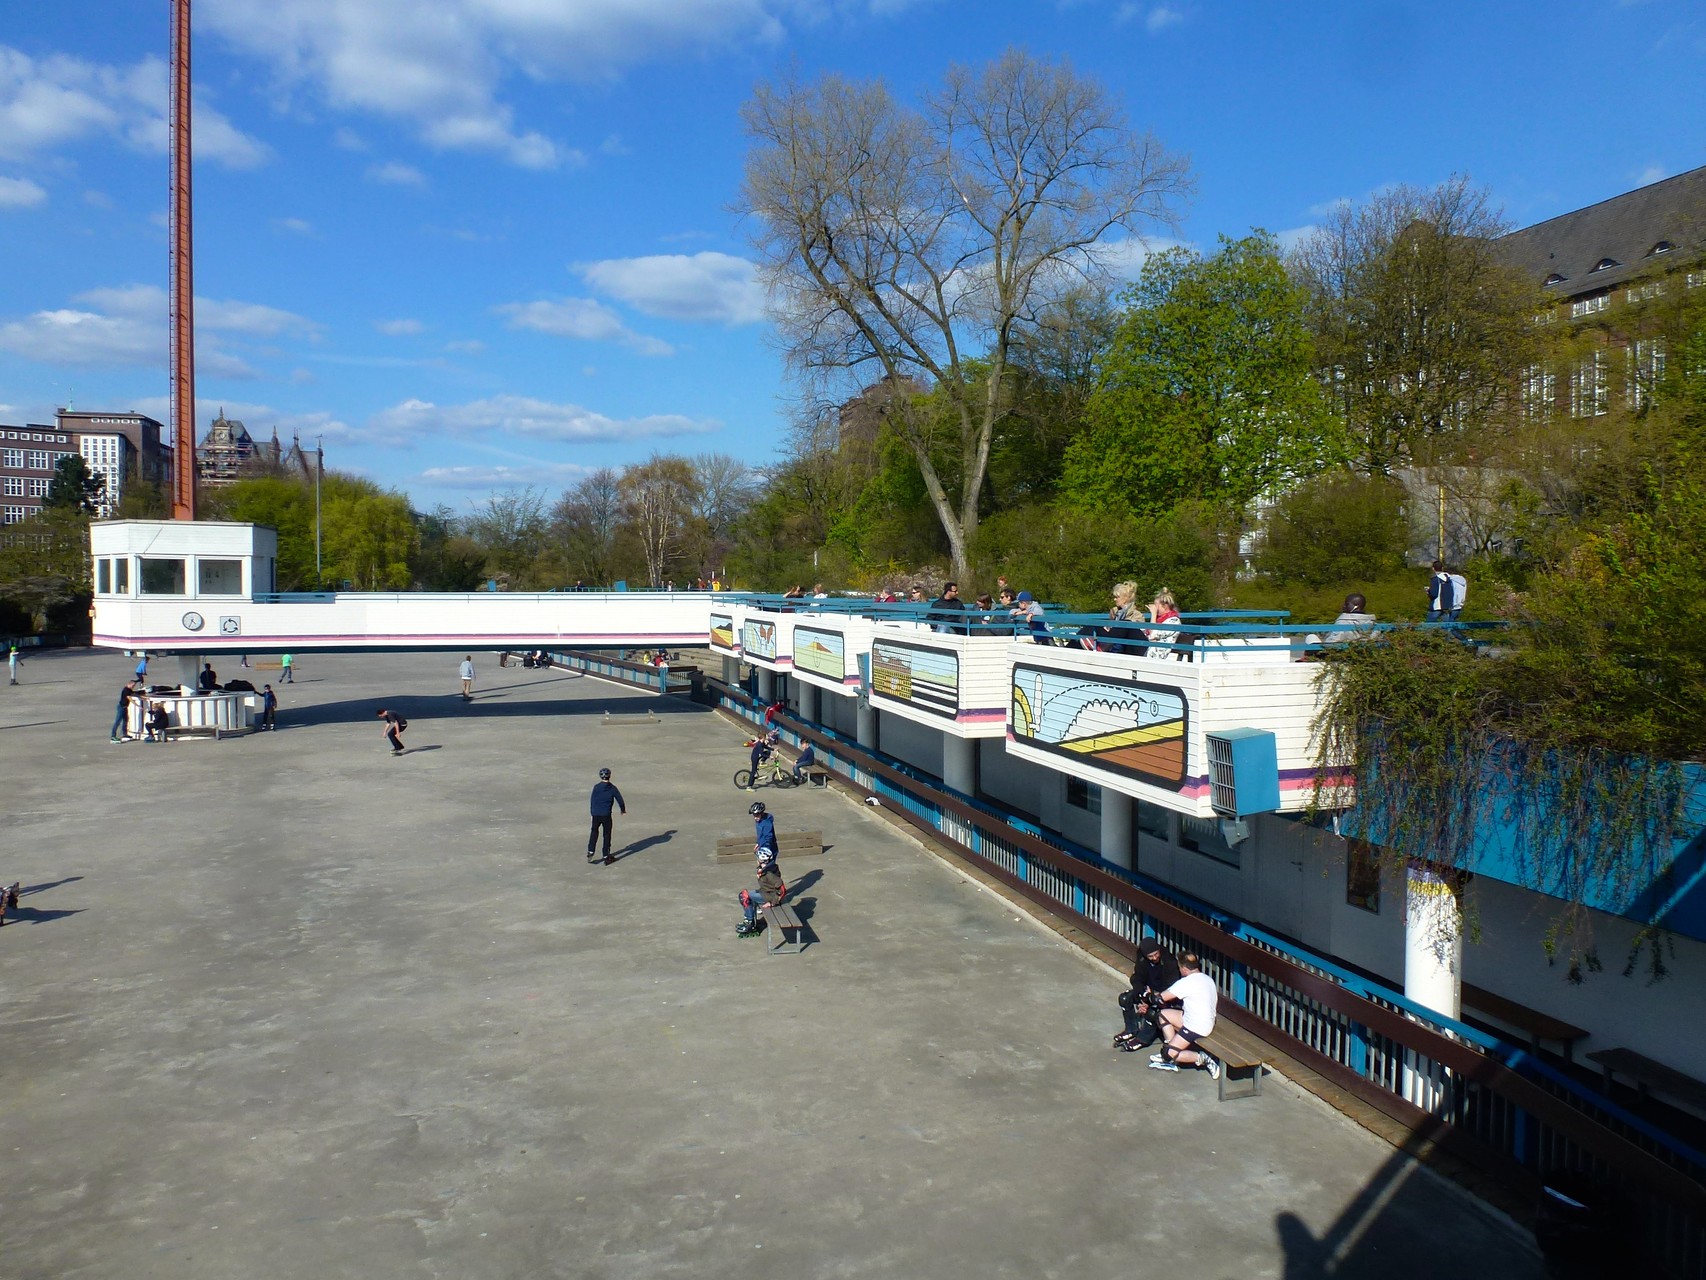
605 796
1155 970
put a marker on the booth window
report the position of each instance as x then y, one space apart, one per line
121 576
220 577
1083 795
162 577
103 577
1362 876
1203 835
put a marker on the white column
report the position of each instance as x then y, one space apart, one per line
189 670
1116 828
865 731
1433 939
808 700
731 670
766 685
959 763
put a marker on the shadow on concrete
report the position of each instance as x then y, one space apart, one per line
33 724
28 889
1389 1231
640 846
451 706
22 914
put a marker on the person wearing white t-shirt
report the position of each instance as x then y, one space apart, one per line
1187 1015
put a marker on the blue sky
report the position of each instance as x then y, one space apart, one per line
484 243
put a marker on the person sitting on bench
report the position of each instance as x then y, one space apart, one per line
209 680
808 758
1155 970
157 722
1187 1015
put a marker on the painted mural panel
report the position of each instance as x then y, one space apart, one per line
823 653
722 631
758 639
929 679
1120 725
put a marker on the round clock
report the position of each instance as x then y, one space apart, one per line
193 621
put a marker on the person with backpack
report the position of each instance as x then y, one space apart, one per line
394 726
770 889
605 797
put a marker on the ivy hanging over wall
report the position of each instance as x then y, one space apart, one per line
1463 758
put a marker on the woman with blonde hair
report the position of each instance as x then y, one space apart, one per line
1164 609
1125 639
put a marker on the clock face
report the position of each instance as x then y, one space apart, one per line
193 621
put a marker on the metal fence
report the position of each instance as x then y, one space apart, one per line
1452 1079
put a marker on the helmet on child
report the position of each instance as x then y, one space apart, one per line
604 775
756 809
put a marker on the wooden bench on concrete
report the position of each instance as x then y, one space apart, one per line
779 919
1538 1026
1649 1075
1238 1051
789 844
619 719
818 775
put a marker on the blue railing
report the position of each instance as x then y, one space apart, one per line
1420 1057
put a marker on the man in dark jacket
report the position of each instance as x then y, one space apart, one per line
947 610
1155 970
605 796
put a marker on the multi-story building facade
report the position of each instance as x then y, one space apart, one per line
28 457
121 448
1614 272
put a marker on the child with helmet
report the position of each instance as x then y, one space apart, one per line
770 888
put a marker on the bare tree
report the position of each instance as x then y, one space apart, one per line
725 490
895 239
658 497
585 522
510 528
1422 330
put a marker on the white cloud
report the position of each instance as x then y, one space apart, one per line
466 347
547 474
442 68
398 328
20 193
1291 237
584 319
407 422
295 226
702 286
1651 174
51 102
1161 17
397 174
127 325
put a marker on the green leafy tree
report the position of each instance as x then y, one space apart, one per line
445 559
1207 392
1339 528
511 528
74 487
284 504
369 535
44 564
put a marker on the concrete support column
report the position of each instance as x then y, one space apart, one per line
1433 939
865 731
959 764
808 700
731 670
1117 810
189 670
766 685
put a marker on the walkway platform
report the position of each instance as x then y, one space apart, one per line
285 1006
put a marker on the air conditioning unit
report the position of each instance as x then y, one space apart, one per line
1243 772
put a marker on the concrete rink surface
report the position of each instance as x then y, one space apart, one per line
285 1006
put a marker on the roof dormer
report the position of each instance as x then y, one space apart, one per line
1605 264
1663 246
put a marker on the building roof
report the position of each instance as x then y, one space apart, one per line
1624 231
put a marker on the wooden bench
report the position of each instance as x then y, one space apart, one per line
818 775
778 920
789 844
9 898
1239 1051
1649 1074
1539 1026
618 719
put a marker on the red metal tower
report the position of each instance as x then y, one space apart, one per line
183 275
